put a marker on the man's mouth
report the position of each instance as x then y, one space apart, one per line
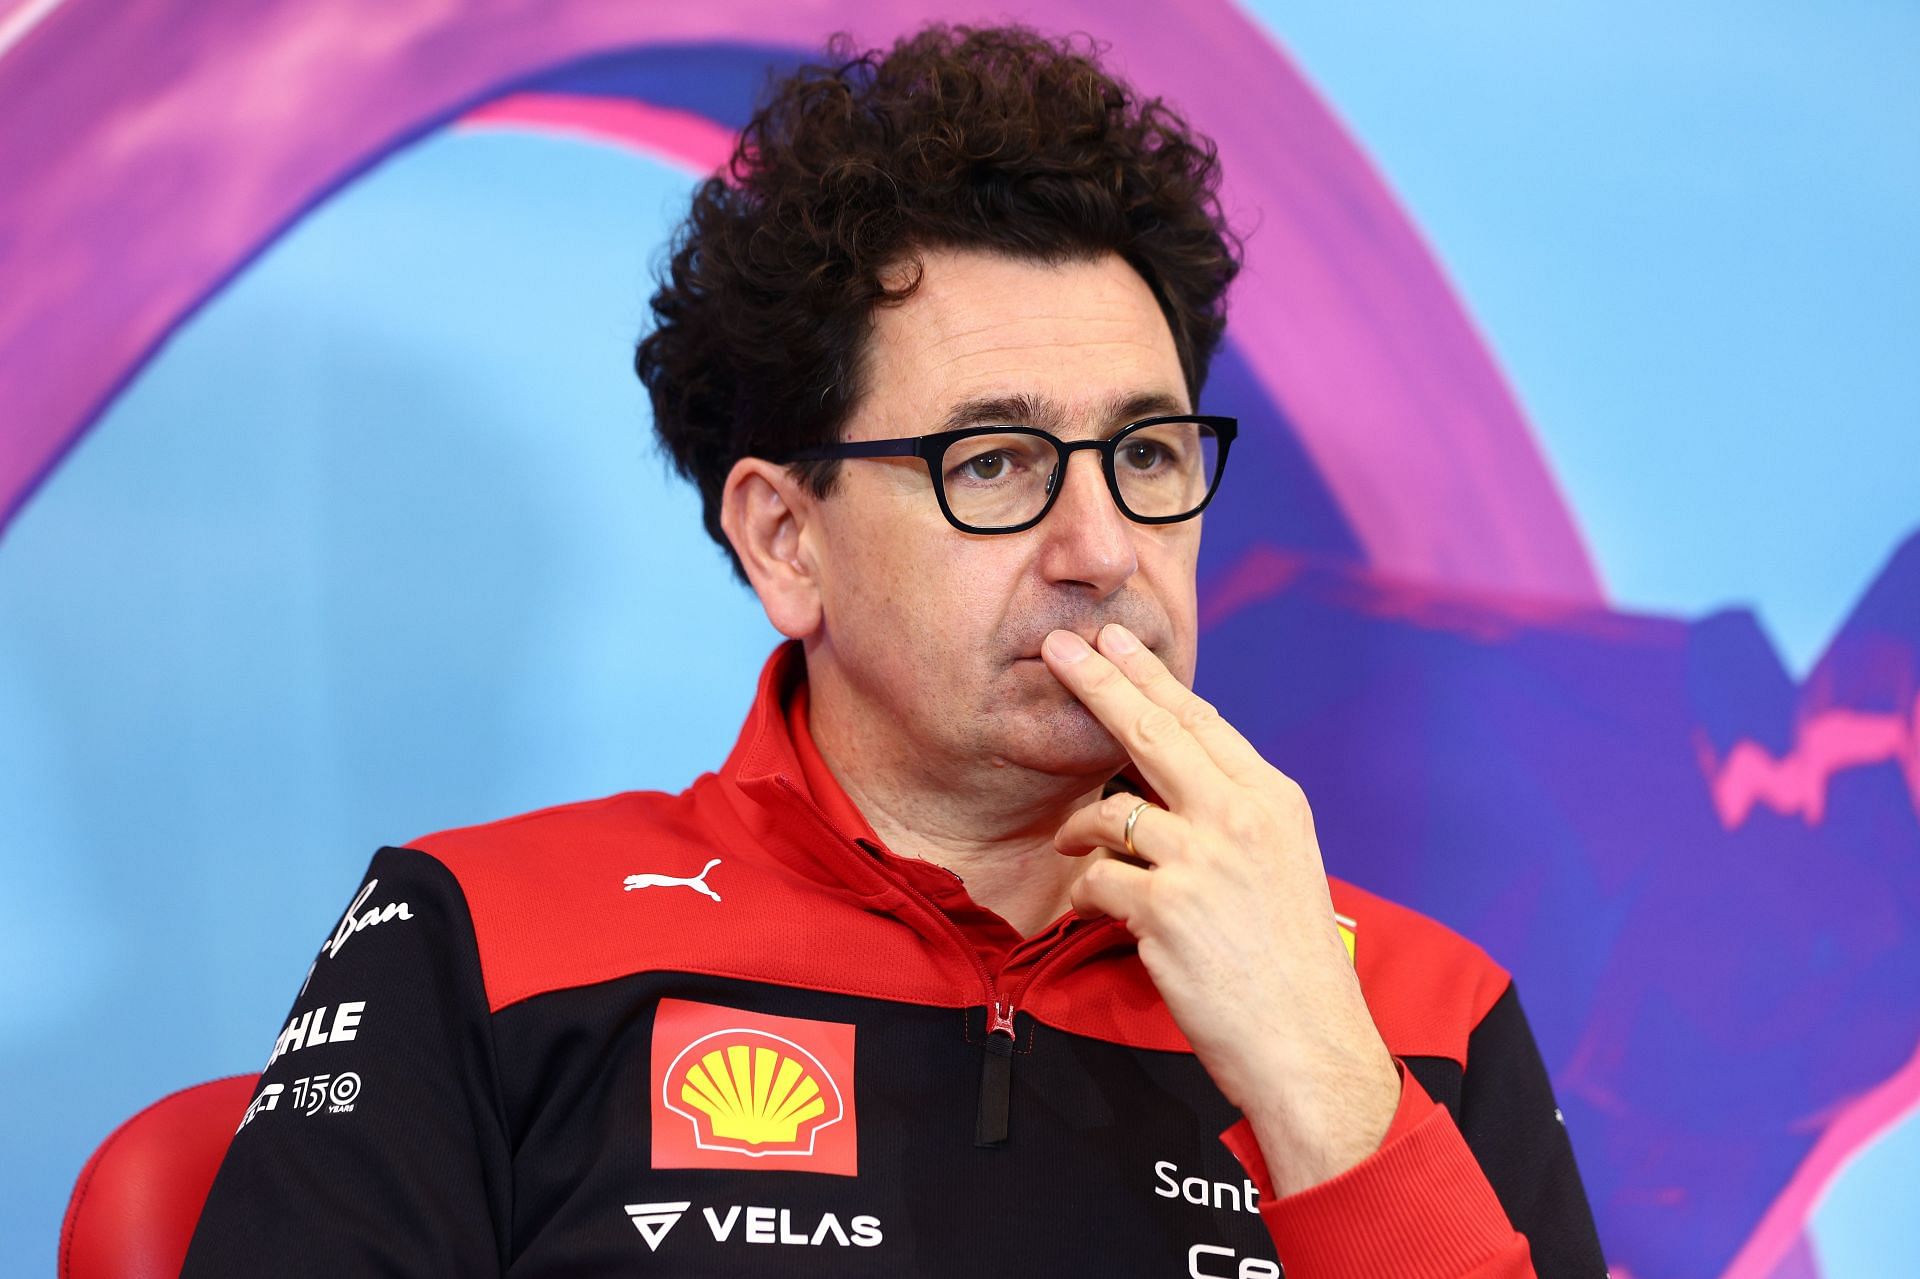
1092 639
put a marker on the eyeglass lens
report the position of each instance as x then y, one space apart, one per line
1003 479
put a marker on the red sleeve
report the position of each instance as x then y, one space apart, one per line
1417 1208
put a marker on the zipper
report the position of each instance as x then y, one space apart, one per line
996 1078
991 1119
996 1050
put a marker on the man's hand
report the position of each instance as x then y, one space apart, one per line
1232 914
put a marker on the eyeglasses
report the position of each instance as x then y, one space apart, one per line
1004 479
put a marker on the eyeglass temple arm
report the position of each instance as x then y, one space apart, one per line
859 448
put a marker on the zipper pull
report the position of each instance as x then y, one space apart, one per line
996 1077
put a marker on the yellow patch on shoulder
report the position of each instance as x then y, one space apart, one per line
1347 928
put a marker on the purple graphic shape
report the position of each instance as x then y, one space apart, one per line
139 188
1728 1013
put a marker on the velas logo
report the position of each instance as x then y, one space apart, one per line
736 1089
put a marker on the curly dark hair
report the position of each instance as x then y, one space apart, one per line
958 137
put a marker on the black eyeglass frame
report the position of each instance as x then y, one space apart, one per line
931 448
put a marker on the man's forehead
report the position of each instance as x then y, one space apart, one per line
970 307
1072 347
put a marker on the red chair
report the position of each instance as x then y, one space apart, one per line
134 1208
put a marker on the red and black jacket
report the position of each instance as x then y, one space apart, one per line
725 1032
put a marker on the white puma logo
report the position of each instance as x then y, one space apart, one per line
698 883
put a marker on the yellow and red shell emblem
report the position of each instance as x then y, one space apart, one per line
753 1092
739 1089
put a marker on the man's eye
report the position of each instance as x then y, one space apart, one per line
985 468
1144 455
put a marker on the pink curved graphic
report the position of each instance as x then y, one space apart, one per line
1795 785
1854 1129
141 188
678 137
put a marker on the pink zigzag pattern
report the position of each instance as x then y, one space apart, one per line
1827 743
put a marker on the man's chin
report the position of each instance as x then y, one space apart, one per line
1065 740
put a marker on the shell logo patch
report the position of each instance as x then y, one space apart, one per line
736 1089
1347 928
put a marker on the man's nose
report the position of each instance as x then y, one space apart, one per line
1089 540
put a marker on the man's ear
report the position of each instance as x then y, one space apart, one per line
764 510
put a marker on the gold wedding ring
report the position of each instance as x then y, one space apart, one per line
1133 817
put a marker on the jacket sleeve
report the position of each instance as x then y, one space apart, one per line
1495 1195
376 1141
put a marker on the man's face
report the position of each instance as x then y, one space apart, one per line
936 633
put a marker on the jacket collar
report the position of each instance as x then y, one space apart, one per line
764 753
811 825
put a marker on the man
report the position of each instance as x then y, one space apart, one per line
991 947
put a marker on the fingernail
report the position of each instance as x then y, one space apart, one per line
1065 646
1119 638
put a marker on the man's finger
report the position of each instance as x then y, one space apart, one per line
1236 756
1159 836
1111 887
1169 757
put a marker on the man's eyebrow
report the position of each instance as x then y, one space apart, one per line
1004 410
1122 410
1046 414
